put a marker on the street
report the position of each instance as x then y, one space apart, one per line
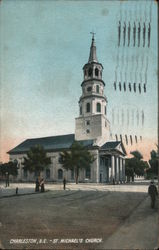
85 216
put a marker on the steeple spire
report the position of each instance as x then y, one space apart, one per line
92 55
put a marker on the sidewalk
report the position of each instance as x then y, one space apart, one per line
29 188
139 231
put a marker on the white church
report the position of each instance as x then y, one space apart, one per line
92 129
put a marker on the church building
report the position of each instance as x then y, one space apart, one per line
92 129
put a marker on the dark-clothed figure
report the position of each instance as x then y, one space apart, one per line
64 183
42 185
37 184
7 179
152 190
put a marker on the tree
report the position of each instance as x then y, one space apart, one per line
78 157
9 167
36 159
153 170
135 165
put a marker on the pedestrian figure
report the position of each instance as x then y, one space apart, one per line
64 183
7 179
152 191
42 185
37 184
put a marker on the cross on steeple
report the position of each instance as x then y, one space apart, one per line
93 33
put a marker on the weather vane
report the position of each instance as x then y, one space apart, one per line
93 33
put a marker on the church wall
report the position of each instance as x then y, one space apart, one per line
54 167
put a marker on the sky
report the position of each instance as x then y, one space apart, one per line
44 46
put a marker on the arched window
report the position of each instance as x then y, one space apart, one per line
90 72
60 174
96 72
80 110
97 88
88 173
116 137
98 107
47 173
85 72
88 107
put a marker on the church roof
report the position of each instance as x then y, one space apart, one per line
113 145
51 143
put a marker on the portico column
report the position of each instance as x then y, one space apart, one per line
123 170
112 168
97 174
117 169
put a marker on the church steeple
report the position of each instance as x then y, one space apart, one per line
92 55
92 122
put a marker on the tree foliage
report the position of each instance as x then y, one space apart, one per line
10 167
153 170
135 165
36 159
78 157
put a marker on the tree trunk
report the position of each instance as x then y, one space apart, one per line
76 175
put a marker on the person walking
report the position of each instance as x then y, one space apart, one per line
42 185
64 183
152 191
7 179
37 184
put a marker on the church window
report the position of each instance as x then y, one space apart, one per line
98 107
88 107
88 173
60 174
25 173
85 72
47 173
60 159
116 137
90 72
36 173
88 131
96 72
105 123
72 174
105 110
80 110
97 88
89 89
88 122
